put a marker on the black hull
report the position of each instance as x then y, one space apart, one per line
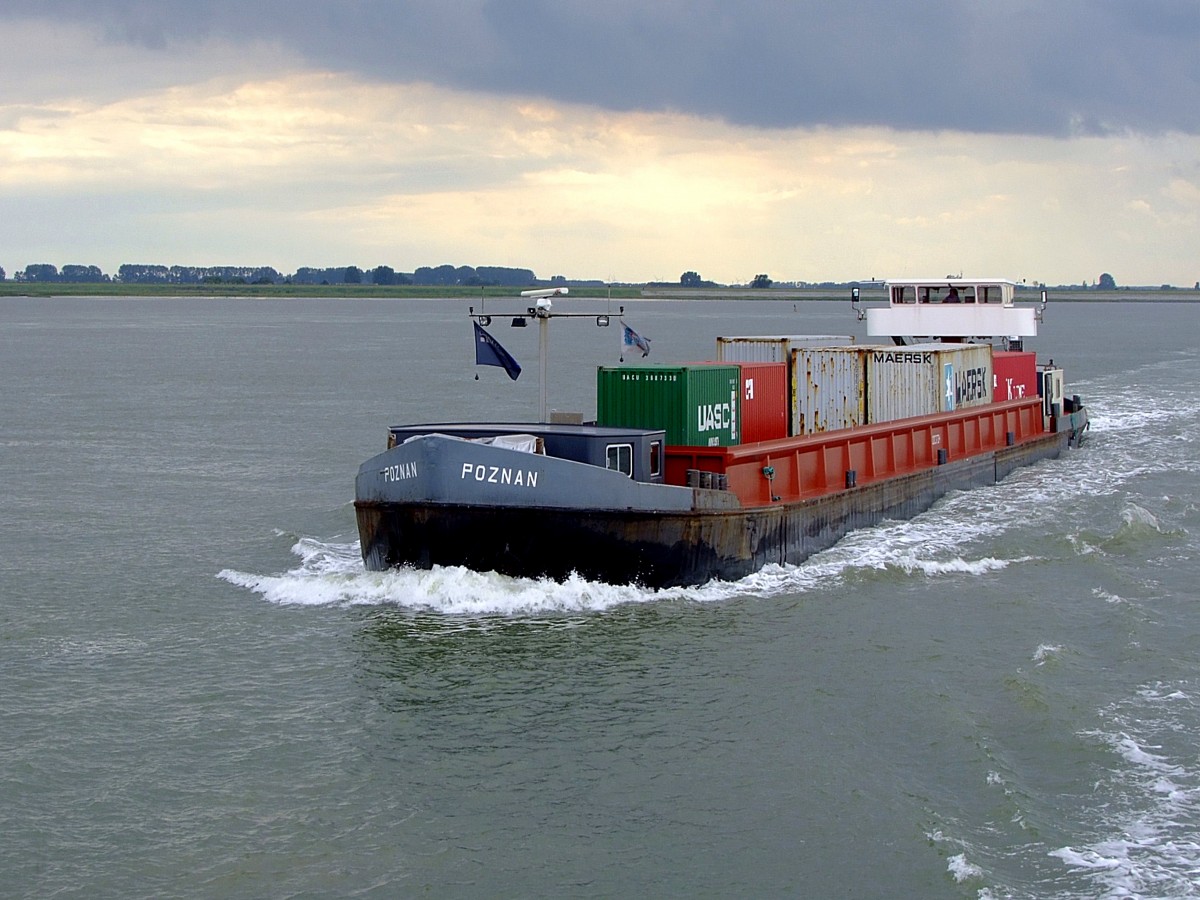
661 549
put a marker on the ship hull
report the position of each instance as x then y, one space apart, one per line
636 539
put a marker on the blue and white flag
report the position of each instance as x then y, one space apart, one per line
488 352
631 339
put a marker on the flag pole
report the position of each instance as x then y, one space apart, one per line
543 347
540 311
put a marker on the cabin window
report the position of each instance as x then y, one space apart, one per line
990 294
619 457
655 458
903 293
968 294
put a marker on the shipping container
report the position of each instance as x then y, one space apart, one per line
697 405
765 399
774 348
828 388
923 379
779 348
1014 374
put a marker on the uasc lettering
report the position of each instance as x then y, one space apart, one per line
499 475
711 416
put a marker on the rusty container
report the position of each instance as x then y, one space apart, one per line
774 348
828 388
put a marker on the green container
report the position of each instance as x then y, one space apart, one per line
698 406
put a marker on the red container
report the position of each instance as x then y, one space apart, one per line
765 407
1014 375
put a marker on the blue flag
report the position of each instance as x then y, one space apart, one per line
488 352
631 339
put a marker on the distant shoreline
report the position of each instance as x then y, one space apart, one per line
50 290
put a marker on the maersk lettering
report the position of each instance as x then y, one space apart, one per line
920 358
499 475
971 385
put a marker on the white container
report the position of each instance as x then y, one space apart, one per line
923 379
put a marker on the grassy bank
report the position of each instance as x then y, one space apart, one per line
265 291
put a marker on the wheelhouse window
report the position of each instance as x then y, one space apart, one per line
619 457
655 458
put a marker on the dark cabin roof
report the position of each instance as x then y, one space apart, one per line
542 429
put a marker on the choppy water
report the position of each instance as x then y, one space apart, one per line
203 694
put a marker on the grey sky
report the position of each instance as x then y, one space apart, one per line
622 140
1006 66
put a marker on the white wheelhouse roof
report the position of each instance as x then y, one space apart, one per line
975 308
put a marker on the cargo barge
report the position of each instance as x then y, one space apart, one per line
768 454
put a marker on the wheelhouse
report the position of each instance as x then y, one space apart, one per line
952 290
952 309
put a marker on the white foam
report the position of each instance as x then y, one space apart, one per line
1132 437
1087 859
1136 754
1119 404
1148 843
931 545
962 870
332 574
1045 652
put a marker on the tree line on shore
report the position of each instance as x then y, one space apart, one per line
129 273
424 276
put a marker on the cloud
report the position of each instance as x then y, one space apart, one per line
315 168
46 61
1020 66
626 141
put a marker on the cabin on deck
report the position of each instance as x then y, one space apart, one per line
954 309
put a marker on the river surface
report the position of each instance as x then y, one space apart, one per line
203 693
